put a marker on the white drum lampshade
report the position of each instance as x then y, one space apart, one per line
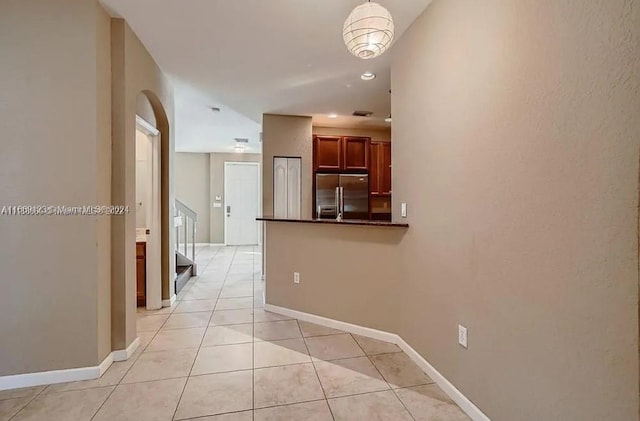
368 31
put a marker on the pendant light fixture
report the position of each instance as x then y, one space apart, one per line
368 31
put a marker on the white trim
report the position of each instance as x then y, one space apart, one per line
462 401
55 376
334 324
153 211
170 301
125 354
105 364
146 127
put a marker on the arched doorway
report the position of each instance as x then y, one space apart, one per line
125 109
150 108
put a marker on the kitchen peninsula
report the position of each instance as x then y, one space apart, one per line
351 222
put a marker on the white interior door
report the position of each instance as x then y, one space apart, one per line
241 200
293 187
280 171
286 187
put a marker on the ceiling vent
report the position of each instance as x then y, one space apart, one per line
241 140
362 113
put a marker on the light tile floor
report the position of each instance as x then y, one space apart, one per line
218 356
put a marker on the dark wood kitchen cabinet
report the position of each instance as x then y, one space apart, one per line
327 153
356 153
380 169
341 153
141 273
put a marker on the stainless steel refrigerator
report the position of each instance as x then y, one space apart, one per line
342 194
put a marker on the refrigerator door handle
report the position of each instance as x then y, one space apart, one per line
339 203
342 200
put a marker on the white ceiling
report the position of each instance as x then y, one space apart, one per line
199 129
259 56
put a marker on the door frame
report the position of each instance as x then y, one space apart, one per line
258 199
154 239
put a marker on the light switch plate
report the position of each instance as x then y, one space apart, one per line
403 210
462 336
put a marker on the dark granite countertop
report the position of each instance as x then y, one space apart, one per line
357 222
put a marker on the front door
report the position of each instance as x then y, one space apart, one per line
241 193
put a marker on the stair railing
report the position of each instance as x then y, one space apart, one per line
185 221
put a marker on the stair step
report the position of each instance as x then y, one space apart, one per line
183 274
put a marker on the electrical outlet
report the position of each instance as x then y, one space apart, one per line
296 277
462 335
403 210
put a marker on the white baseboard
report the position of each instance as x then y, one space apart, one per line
169 302
462 401
105 364
334 324
125 354
55 376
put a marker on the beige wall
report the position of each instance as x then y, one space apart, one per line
286 136
516 138
192 179
376 135
347 273
217 161
135 75
71 84
55 125
521 119
103 169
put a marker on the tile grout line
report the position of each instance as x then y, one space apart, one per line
201 340
253 344
382 376
28 403
315 369
119 383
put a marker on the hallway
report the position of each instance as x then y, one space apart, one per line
218 352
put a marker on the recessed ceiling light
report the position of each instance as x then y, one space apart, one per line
368 76
239 148
333 115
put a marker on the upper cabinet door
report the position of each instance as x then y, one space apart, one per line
385 168
327 153
356 153
374 170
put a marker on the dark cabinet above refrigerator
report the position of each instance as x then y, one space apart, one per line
341 153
